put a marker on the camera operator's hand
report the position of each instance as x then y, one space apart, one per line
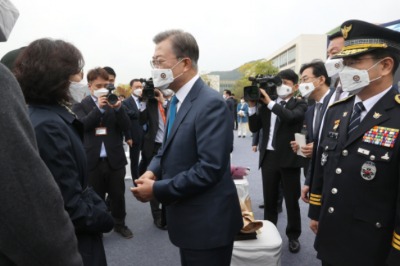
117 105
159 96
266 99
102 101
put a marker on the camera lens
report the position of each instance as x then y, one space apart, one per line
112 99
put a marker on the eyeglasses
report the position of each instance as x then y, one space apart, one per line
156 63
305 79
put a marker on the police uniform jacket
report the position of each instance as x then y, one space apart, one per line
355 191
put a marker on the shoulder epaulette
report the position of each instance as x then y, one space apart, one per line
341 100
397 98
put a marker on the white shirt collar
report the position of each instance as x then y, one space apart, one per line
184 91
369 103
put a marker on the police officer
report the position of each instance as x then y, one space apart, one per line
355 194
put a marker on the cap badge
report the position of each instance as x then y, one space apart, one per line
346 30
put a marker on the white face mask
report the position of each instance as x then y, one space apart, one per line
334 66
100 92
78 91
283 91
354 80
306 89
163 77
138 92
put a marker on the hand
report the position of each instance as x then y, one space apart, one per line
159 96
116 105
148 175
308 149
314 226
294 145
129 142
254 148
266 99
144 190
102 100
304 193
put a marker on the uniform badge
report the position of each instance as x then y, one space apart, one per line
381 136
368 171
324 158
345 114
376 115
385 157
336 125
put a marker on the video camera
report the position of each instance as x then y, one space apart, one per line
111 97
148 89
265 82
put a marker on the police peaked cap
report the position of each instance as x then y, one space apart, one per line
361 37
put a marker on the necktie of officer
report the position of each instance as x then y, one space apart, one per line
172 113
355 119
318 118
277 122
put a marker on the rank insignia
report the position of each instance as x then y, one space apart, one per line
381 136
345 114
345 31
397 98
376 115
368 171
337 123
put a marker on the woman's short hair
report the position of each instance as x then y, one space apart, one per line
43 70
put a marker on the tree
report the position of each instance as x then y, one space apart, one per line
252 69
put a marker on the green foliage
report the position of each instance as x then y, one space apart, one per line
252 69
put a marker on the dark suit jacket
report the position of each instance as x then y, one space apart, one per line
136 129
193 170
116 123
291 121
32 209
60 146
150 116
309 118
358 215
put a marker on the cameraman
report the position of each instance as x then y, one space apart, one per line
104 126
153 114
280 118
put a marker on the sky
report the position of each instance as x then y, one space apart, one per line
119 33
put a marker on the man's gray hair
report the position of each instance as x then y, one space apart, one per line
183 44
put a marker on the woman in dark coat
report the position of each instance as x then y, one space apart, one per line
44 70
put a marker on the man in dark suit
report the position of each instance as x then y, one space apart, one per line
132 107
231 102
354 200
314 85
191 173
153 114
280 120
104 125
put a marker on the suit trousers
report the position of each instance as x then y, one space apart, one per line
104 180
272 175
134 154
220 256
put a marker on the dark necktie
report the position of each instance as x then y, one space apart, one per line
172 113
355 119
318 118
277 122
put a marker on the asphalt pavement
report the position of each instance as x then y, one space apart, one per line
150 246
